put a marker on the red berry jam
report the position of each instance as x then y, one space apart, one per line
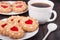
3 25
29 21
14 28
4 6
19 6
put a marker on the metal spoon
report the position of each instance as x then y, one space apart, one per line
51 27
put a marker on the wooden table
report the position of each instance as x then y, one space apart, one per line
43 28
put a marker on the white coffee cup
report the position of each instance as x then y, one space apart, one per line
43 15
38 0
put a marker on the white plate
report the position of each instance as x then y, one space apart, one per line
27 35
13 13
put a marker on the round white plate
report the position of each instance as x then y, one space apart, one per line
13 13
27 35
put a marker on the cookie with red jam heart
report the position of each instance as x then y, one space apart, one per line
19 6
29 24
14 31
5 7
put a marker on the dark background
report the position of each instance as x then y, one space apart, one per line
43 28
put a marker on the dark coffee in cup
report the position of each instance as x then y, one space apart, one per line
41 5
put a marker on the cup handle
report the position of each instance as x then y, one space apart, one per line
55 16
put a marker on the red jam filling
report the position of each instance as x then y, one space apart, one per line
12 19
19 6
29 21
4 6
3 25
18 21
14 28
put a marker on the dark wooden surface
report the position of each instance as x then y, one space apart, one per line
43 28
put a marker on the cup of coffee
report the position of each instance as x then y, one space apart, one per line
38 0
42 11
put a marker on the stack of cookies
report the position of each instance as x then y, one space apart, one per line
16 26
17 7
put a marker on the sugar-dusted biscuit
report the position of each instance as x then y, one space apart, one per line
18 19
12 19
19 6
14 31
29 24
5 7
